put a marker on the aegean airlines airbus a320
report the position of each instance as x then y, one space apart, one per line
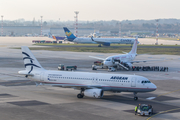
89 84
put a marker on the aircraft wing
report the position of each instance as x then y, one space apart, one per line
144 61
100 41
97 58
138 61
24 72
76 86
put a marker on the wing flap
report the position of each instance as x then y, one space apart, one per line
144 61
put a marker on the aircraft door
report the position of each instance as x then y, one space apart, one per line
42 76
133 82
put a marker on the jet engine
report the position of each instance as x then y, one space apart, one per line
106 44
97 93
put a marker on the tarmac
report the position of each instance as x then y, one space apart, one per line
21 99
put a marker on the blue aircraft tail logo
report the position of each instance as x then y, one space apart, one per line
69 34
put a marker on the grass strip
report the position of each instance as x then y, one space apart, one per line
154 51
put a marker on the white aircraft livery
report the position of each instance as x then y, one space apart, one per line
122 60
104 41
89 84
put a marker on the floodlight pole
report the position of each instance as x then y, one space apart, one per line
2 25
157 20
76 23
41 25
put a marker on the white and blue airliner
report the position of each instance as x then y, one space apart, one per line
89 84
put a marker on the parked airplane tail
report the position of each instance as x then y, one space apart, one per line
69 34
30 62
50 35
134 47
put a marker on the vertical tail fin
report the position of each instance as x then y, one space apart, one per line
69 34
134 47
30 62
50 35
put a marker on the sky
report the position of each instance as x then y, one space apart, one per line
89 9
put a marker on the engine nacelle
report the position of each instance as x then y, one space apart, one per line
106 44
97 93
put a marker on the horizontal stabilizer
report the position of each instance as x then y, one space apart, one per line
146 61
124 52
25 72
97 58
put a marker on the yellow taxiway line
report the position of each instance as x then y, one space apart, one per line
163 112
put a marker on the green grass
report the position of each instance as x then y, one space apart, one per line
154 51
52 44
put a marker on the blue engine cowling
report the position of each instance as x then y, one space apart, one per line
106 44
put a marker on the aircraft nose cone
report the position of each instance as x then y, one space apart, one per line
153 86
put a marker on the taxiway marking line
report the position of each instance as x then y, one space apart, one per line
162 112
168 93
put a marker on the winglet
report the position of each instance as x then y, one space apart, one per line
50 35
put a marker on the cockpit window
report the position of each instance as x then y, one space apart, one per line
108 60
145 81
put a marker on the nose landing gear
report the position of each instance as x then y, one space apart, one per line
135 97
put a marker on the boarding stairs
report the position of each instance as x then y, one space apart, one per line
122 66
118 62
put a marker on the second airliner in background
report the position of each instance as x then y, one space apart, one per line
101 41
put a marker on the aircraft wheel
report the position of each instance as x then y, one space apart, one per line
135 98
80 96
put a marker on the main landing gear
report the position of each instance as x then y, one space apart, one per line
135 97
81 94
99 45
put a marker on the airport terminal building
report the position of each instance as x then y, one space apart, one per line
36 30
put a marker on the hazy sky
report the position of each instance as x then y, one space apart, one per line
89 9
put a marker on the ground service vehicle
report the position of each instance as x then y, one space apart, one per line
98 65
61 67
144 109
71 68
111 69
